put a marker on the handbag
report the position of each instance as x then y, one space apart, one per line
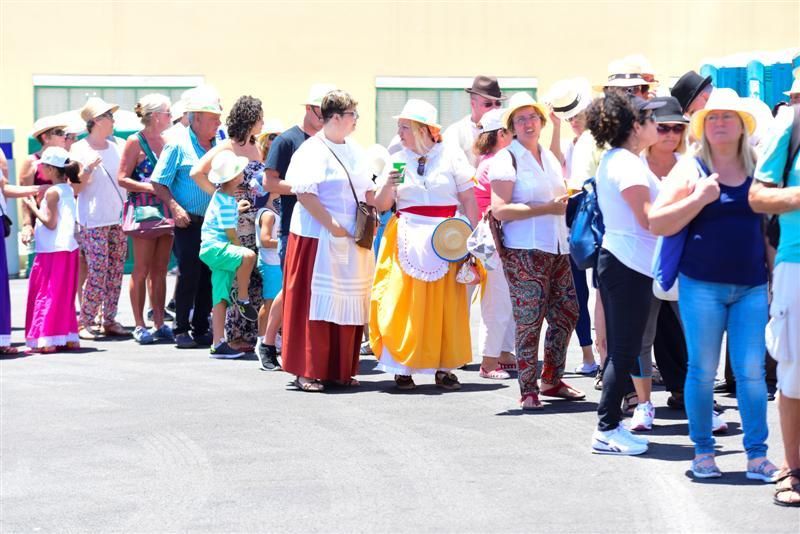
586 232
468 274
147 221
7 222
481 244
669 249
366 215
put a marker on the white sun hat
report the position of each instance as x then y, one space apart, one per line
47 123
96 106
722 99
202 98
569 97
317 93
225 167
420 111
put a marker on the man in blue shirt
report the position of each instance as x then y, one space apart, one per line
778 162
188 203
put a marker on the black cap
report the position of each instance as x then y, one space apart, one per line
640 104
671 110
688 87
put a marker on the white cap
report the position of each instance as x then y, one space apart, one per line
55 156
492 120
317 92
795 88
203 98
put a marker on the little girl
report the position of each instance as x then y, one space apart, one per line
50 322
268 223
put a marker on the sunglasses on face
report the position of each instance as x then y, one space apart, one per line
666 128
421 165
58 132
491 104
106 115
272 136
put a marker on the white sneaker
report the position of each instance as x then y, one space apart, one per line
617 441
718 424
643 417
587 368
638 439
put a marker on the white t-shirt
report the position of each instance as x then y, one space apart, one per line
631 244
447 173
462 135
62 238
532 183
314 170
100 201
269 256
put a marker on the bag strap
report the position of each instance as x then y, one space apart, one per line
148 152
794 146
702 166
353 189
113 185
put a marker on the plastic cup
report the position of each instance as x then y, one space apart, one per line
400 167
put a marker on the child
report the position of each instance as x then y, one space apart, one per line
50 322
221 251
268 223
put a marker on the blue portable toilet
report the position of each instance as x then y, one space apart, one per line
764 75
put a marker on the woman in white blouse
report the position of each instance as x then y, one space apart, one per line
530 197
419 320
327 277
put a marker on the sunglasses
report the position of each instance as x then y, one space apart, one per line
421 165
70 137
492 104
106 115
353 113
58 132
666 128
272 136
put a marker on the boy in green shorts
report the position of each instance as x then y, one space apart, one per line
221 251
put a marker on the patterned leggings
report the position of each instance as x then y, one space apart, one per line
541 288
105 249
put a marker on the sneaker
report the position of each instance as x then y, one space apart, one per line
223 351
267 356
656 377
142 336
246 310
643 416
633 437
185 341
167 316
718 424
705 467
616 442
587 368
171 305
164 333
497 374
203 340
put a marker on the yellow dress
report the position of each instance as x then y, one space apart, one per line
416 326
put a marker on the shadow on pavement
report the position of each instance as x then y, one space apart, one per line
728 478
675 452
556 407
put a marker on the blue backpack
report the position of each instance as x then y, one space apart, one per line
586 232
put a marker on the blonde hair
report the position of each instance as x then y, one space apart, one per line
747 156
149 104
423 132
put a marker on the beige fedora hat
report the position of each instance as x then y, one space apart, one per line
449 239
317 93
96 106
48 123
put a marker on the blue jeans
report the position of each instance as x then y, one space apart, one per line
708 310
584 326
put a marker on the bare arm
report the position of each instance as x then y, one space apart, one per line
555 140
26 173
232 237
21 191
679 202
386 194
504 210
200 170
127 165
469 206
266 224
311 202
767 198
637 198
274 184
49 219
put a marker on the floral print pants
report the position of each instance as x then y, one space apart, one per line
105 249
541 287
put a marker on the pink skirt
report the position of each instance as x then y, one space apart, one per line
50 320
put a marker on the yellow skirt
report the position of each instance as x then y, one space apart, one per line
416 326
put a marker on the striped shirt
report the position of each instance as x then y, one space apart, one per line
172 171
221 214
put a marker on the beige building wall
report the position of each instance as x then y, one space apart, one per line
275 50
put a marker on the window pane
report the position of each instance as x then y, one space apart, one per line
388 102
50 101
79 95
125 98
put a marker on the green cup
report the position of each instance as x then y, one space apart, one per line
400 167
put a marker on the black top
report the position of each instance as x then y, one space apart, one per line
278 159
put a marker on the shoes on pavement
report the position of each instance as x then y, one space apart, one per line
203 340
617 442
718 424
497 374
167 316
722 386
163 333
171 306
765 471
142 336
587 368
89 333
267 356
675 401
185 341
705 467
598 380
223 351
643 416
244 308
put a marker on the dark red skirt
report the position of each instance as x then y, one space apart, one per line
313 349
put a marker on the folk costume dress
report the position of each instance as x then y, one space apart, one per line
327 279
419 314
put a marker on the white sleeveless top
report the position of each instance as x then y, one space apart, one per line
63 237
268 255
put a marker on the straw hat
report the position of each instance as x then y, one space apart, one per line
317 92
795 88
96 106
722 99
225 167
449 239
202 99
639 63
569 97
420 111
623 74
55 156
521 100
492 120
47 123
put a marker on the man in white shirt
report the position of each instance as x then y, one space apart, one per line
484 95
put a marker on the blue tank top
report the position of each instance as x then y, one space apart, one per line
726 242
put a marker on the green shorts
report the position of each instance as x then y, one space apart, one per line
223 259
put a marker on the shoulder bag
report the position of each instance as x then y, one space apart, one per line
146 216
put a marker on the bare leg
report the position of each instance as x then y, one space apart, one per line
643 387
158 278
588 355
143 257
83 272
263 315
790 428
218 321
600 329
243 273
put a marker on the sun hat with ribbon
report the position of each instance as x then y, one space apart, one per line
569 97
47 123
449 239
795 88
492 120
639 63
623 74
55 156
521 100
722 99
487 87
225 167
317 93
96 106
420 111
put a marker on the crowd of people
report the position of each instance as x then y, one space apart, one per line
301 243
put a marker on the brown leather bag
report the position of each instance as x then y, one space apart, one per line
366 215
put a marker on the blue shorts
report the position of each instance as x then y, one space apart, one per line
272 279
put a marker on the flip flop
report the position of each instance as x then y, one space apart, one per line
311 386
349 383
115 330
8 351
530 402
562 390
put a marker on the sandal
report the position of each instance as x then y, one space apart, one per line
349 383
366 349
786 493
530 401
307 384
497 374
88 334
404 382
447 380
115 330
46 350
508 366
8 351
562 390
765 471
705 467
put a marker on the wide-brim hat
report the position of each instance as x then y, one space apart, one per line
56 156
521 100
202 99
176 110
670 112
74 122
96 106
317 93
569 97
47 123
225 167
622 74
449 239
378 159
487 87
492 120
722 99
639 63
688 87
420 111
795 88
